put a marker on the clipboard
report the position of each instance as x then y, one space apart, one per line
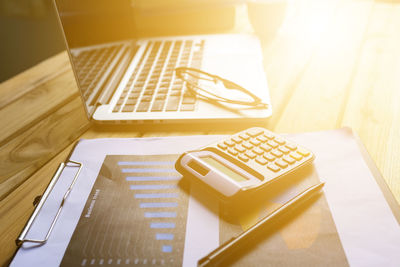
22 236
167 143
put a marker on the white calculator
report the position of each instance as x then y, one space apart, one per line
244 162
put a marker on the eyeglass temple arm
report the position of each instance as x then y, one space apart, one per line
232 85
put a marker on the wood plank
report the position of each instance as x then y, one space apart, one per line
288 55
373 109
30 150
36 105
16 208
28 80
323 88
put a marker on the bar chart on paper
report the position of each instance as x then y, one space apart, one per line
135 215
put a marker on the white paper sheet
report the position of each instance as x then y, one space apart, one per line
369 232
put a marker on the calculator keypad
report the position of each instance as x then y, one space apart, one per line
265 151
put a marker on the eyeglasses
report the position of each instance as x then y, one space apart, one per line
214 88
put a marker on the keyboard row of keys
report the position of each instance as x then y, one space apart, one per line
91 65
161 91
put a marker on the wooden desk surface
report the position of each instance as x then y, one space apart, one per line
333 64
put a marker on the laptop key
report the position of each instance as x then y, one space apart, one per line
116 108
158 105
188 99
143 107
128 108
137 89
148 92
134 96
164 84
131 101
173 103
187 107
161 97
146 98
163 91
176 86
176 93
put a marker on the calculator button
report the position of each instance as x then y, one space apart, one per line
229 143
250 154
258 151
236 139
288 159
291 146
276 153
240 149
243 158
265 147
261 161
262 138
269 135
280 141
247 145
255 142
281 163
222 146
272 144
303 152
284 149
273 167
244 136
269 157
296 156
254 132
232 151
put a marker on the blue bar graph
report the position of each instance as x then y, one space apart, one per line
151 178
145 163
149 174
147 201
157 195
152 186
164 236
166 248
161 214
162 225
159 205
134 170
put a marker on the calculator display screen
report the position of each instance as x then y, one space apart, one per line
222 168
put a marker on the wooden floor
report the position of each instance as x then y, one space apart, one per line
332 64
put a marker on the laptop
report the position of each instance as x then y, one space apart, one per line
125 78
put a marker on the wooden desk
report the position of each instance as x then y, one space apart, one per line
333 64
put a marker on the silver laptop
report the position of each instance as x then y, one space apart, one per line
124 78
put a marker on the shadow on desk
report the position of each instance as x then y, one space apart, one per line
186 128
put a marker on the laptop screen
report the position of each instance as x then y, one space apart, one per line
91 22
98 34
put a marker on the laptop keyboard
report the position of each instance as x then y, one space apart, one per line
153 86
91 66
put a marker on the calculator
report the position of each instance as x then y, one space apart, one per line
244 162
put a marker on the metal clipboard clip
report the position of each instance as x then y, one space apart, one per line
21 238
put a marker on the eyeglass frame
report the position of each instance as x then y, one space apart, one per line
180 71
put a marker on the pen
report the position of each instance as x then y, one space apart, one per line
229 247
